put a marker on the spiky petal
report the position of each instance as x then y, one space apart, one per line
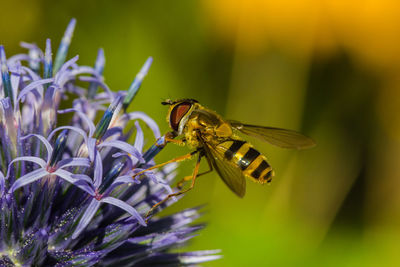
137 82
99 68
5 75
64 46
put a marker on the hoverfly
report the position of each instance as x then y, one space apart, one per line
214 138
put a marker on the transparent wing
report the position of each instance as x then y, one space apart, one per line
229 173
275 136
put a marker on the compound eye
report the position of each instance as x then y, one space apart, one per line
177 113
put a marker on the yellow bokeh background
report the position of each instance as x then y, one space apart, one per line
330 69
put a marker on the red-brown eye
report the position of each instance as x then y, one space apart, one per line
177 113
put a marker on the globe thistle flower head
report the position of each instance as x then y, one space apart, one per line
67 196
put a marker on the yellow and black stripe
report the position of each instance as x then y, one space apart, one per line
253 164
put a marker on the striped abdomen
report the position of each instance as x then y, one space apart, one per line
249 160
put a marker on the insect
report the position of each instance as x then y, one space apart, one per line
214 138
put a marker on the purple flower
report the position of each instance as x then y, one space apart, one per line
67 196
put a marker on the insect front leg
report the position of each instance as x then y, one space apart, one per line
194 176
170 138
180 142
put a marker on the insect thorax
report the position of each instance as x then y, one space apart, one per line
208 126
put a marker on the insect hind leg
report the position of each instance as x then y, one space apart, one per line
194 176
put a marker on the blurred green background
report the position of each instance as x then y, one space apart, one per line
330 69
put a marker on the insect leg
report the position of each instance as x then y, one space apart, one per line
194 176
169 137
177 159
179 142
188 178
159 145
